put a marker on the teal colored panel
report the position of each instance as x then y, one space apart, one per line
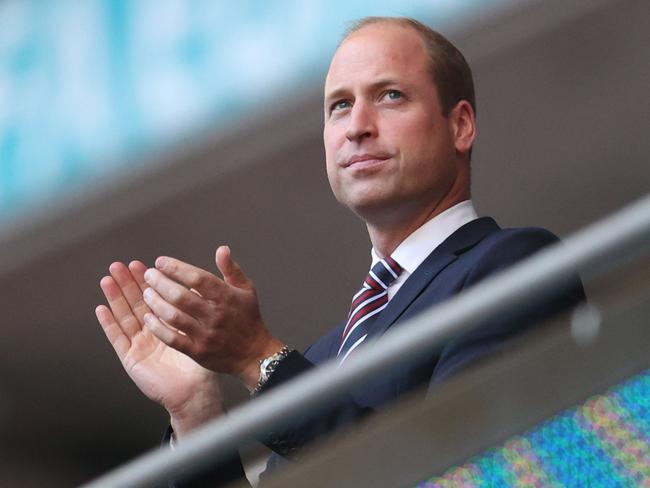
89 86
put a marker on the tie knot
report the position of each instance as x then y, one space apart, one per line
383 274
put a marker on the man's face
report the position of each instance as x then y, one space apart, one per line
389 150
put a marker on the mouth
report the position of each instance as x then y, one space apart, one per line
365 160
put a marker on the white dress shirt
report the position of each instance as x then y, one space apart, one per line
416 247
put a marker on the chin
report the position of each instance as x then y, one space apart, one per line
371 209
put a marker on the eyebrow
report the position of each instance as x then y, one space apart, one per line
341 92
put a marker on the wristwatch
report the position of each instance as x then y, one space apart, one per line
269 365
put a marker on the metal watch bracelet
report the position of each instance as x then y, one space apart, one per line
269 365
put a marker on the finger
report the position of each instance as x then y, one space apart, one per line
169 313
231 271
205 282
138 269
114 333
120 308
130 289
170 337
175 293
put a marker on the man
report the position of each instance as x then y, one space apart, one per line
398 132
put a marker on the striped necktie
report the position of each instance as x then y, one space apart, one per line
367 303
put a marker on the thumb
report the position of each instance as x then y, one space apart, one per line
232 273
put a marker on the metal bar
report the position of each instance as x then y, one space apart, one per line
506 394
592 250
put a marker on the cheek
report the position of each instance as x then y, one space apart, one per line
331 151
330 168
407 133
332 139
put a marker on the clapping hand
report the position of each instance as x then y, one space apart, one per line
215 321
188 391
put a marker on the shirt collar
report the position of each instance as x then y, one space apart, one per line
416 247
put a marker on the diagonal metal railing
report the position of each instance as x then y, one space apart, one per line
592 251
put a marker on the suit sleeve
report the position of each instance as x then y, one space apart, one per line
288 443
223 473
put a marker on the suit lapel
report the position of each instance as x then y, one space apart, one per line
460 241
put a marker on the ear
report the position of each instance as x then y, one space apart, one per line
463 124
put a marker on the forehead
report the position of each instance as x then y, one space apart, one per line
378 51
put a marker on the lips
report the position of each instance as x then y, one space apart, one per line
365 160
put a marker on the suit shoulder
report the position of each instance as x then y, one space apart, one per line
520 241
505 247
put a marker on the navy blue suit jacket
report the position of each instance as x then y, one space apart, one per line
475 251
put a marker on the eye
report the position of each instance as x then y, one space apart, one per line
340 105
393 95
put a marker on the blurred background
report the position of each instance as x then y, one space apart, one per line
137 129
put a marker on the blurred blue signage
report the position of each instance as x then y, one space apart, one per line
88 86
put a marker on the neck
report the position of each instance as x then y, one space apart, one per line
390 233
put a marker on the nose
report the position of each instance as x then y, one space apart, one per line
362 122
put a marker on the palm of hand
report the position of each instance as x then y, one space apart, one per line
163 374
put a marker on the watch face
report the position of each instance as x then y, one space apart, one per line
268 365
